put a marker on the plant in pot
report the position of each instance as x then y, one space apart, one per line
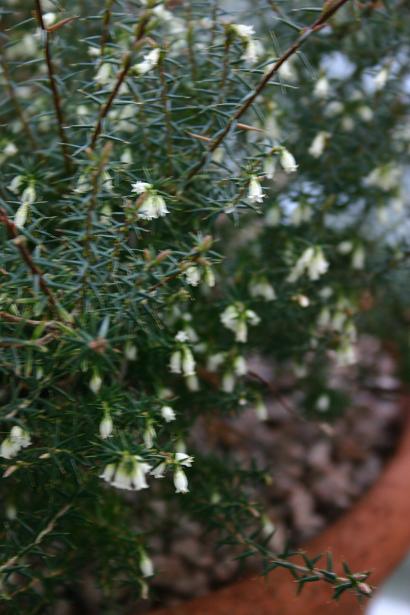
186 187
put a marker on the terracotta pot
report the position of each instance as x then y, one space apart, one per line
373 535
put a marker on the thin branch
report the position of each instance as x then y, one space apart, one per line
106 26
167 114
53 86
319 23
12 561
48 324
126 65
20 243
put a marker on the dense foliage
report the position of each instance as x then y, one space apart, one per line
171 204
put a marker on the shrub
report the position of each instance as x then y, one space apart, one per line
178 193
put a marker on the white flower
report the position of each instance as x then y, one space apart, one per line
188 362
318 144
322 88
159 470
312 262
83 184
15 184
29 195
104 73
95 383
126 156
365 113
251 51
386 177
240 366
17 439
322 403
381 78
152 206
130 351
345 247
128 474
273 216
243 31
209 276
175 364
255 192
235 317
146 565
228 382
261 410
269 166
183 459
358 258
180 481
21 215
10 149
192 383
149 435
192 275
149 61
106 426
215 361
140 187
168 414
182 336
288 161
262 288
49 18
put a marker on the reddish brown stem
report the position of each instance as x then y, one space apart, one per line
20 244
54 89
120 80
319 23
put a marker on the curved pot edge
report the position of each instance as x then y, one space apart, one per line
373 535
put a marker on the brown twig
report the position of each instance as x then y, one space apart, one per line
126 65
53 86
48 324
318 24
167 114
106 26
20 243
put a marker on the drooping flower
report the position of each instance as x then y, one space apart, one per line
95 382
236 318
261 409
168 414
159 470
21 215
104 74
149 435
180 481
17 439
322 88
246 33
146 565
255 192
106 426
130 351
288 161
318 144
192 275
128 474
262 288
151 204
381 78
228 382
269 167
312 262
149 61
